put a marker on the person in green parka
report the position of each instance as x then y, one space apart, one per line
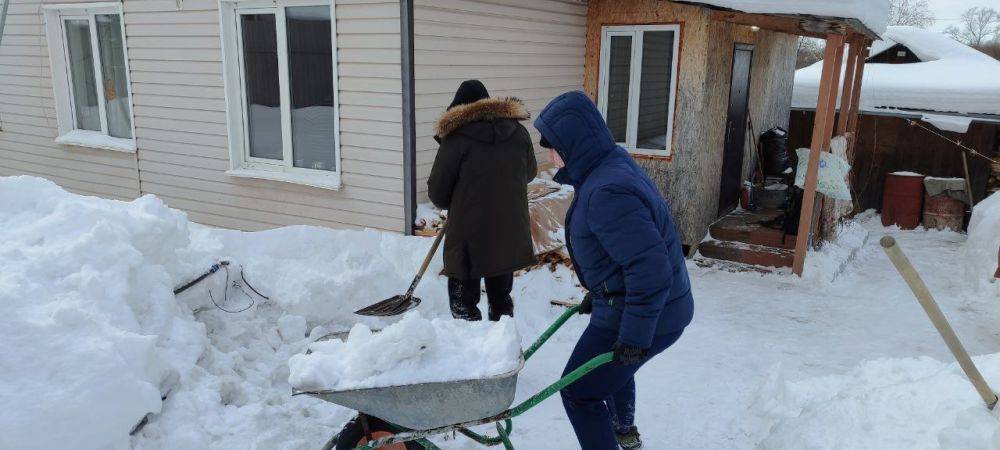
480 175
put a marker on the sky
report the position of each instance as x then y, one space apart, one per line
947 12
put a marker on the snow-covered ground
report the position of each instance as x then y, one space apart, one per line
92 337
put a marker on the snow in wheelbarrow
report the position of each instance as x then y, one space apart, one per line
424 406
417 373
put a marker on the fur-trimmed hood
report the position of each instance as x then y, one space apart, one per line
486 109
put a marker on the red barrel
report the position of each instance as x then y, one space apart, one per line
943 213
902 199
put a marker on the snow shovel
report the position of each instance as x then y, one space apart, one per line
402 303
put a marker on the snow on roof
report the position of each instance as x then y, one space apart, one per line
952 77
874 14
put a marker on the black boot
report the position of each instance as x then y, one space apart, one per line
463 297
499 308
629 439
498 294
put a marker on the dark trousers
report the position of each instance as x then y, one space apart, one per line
464 297
604 399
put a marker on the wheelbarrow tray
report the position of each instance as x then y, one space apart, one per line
424 406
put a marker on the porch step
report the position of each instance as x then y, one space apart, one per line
745 226
744 253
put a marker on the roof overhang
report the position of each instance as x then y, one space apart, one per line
797 24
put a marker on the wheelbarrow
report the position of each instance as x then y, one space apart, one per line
407 415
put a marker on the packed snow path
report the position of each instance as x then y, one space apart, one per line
700 393
93 333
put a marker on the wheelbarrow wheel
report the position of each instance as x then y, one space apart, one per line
353 435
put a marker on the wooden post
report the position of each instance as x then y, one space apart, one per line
847 95
923 295
820 137
859 74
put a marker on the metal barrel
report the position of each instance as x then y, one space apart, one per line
902 200
943 212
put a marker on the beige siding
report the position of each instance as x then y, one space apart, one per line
530 49
180 119
28 119
177 84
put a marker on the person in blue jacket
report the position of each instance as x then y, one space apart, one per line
627 253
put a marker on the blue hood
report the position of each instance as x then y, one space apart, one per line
575 128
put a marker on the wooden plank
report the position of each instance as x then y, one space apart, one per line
827 90
782 24
847 95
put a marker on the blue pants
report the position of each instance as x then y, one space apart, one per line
604 399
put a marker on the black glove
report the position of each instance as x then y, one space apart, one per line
628 355
587 305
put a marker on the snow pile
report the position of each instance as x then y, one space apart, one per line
827 263
94 337
873 13
913 403
91 333
951 77
984 242
413 350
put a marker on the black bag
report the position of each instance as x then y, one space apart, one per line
778 162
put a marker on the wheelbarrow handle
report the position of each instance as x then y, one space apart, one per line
550 331
567 380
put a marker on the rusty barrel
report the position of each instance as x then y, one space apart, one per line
902 200
943 212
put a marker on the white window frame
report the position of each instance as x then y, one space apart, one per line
635 76
55 31
241 163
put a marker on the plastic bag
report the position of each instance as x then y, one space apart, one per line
833 170
776 158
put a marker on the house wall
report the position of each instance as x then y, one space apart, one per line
175 59
530 49
689 178
28 120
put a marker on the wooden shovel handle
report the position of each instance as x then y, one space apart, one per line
430 254
912 278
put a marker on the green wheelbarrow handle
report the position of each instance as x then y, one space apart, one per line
534 400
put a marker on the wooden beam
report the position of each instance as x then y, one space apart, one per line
821 205
784 24
847 94
820 138
859 76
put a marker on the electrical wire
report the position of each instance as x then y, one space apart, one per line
958 143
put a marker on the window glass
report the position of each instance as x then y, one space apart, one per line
113 78
81 71
262 91
619 70
654 90
310 73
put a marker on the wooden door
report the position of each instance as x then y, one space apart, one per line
736 130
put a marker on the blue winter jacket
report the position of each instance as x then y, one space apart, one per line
621 237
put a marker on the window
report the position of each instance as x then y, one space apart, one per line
281 86
90 75
638 79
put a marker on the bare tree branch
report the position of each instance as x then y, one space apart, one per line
979 26
916 13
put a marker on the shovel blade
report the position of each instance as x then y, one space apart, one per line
393 306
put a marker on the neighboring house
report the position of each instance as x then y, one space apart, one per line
923 92
255 114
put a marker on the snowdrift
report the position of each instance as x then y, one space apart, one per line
94 337
913 403
984 240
